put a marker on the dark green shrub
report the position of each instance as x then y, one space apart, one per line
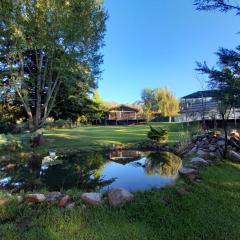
60 123
158 134
6 127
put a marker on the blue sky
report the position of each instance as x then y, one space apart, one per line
155 43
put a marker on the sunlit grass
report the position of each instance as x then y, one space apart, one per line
97 137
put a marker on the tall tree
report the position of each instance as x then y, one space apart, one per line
46 43
226 80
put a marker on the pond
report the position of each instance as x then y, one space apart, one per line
132 170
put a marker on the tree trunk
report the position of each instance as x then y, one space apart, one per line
203 114
38 91
235 119
30 123
225 136
204 126
214 123
170 119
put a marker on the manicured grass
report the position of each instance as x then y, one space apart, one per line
84 138
210 210
93 138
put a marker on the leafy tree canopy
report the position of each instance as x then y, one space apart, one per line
46 44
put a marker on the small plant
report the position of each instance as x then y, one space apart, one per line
195 129
183 141
158 134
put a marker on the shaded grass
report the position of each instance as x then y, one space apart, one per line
210 210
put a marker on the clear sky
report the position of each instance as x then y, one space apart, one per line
156 43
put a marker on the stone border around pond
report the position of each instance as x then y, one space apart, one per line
117 197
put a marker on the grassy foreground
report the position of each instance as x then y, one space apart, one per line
209 210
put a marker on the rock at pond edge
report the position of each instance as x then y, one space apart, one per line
92 198
36 198
187 171
118 197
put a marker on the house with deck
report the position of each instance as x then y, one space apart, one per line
202 105
122 115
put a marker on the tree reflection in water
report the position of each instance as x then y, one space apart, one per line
163 163
72 171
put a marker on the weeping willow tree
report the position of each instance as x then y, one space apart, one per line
45 43
159 101
166 103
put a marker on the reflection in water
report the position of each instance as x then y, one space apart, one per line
132 170
151 170
125 156
163 163
73 171
78 171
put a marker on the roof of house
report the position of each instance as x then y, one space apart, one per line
200 94
123 107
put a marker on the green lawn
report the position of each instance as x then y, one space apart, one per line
210 210
90 137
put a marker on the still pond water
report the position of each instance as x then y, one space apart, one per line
132 170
